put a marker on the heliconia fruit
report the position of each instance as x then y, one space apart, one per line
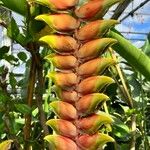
62 109
58 142
94 48
94 84
89 103
60 22
94 29
61 44
78 39
63 127
93 142
95 66
62 62
59 4
63 80
91 124
94 8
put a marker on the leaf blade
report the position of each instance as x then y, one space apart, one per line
133 55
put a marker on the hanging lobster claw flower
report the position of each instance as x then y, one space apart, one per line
94 84
95 66
94 9
88 103
57 4
62 44
59 22
62 62
64 110
58 142
95 29
63 127
91 124
95 48
63 80
78 44
94 142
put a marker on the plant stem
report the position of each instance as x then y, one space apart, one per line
6 116
143 121
3 24
39 97
49 89
130 102
106 110
30 91
133 130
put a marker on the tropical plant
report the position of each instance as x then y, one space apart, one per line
69 61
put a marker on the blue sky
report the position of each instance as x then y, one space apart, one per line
137 23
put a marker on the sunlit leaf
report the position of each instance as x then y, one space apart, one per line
133 55
22 56
23 108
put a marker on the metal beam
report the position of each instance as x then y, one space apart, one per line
120 9
132 12
133 32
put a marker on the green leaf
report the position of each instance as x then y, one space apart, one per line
133 55
11 58
18 6
1 2
12 80
13 29
14 33
146 46
2 126
120 129
20 121
3 51
1 69
23 108
22 56
3 97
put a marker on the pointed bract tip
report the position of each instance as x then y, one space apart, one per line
42 17
44 39
53 104
105 138
51 121
51 75
49 57
106 117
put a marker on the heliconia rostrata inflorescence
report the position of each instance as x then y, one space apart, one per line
78 40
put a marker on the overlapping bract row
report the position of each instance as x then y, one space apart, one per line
77 41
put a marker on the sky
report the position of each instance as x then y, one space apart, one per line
138 23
